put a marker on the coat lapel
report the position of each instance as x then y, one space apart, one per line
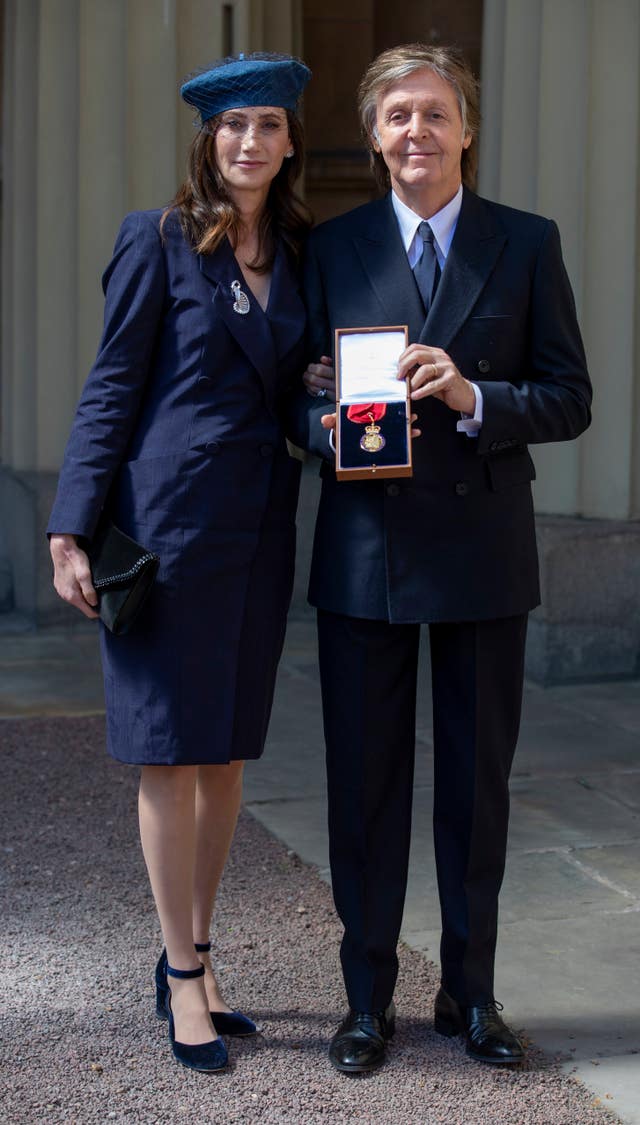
285 309
476 247
251 330
386 265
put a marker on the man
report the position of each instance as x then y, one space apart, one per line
495 362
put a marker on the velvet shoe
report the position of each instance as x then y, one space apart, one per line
360 1042
226 1023
488 1039
204 1057
162 987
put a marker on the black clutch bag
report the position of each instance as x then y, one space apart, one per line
123 573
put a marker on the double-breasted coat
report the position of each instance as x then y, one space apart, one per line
178 435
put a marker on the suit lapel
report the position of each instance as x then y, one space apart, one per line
476 247
251 330
380 249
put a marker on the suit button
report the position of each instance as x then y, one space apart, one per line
462 488
493 446
393 490
266 450
484 366
204 381
212 447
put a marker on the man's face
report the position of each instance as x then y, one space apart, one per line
420 137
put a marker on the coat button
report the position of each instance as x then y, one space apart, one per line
212 447
266 450
493 446
204 381
393 490
484 366
462 488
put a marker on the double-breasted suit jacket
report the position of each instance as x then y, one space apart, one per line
178 434
456 542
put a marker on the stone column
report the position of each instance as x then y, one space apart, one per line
152 103
19 432
102 111
19 236
610 278
56 227
560 137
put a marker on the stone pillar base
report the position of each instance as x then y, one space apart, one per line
25 502
588 626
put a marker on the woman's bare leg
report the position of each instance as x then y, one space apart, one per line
167 810
218 797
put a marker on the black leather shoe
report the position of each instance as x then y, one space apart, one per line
487 1035
360 1042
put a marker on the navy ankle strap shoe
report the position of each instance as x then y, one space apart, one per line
204 1057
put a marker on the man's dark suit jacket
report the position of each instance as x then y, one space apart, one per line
456 542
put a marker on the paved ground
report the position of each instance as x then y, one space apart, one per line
79 1041
568 965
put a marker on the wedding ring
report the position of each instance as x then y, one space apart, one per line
435 371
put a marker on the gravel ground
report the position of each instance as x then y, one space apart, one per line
80 1041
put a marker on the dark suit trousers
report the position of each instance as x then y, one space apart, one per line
369 672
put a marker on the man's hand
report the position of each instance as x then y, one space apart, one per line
432 372
72 574
320 380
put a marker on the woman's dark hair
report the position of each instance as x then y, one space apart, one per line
207 213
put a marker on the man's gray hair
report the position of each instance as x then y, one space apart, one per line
397 63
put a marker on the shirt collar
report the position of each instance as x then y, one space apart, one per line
443 223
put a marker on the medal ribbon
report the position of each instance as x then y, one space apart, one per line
366 412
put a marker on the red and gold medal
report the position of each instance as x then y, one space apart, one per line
372 440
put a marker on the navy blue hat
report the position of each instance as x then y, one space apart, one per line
248 80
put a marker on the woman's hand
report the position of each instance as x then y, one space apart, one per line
320 380
72 574
432 372
328 422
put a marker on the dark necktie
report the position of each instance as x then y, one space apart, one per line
426 270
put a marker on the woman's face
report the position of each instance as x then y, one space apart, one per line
250 145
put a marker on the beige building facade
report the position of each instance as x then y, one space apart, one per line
92 127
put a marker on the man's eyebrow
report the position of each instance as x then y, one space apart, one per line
403 103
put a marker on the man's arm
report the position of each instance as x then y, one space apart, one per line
550 400
553 400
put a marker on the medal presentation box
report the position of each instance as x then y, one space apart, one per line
373 425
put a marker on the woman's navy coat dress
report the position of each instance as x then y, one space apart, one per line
178 434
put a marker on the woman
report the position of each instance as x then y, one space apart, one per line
178 436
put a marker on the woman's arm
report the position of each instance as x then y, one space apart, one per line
134 285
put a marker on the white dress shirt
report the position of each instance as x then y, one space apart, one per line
443 225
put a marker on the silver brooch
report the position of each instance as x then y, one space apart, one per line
241 304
